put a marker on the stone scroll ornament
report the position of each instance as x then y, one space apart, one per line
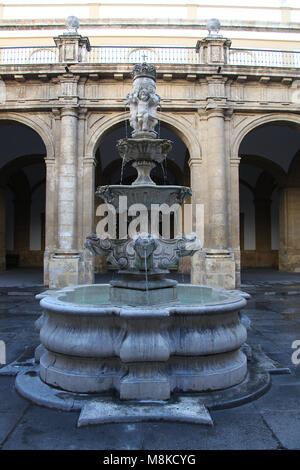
130 254
143 101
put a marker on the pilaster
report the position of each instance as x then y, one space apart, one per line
235 216
2 231
289 213
65 263
217 262
50 214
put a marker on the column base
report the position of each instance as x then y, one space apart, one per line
69 269
289 261
2 264
215 268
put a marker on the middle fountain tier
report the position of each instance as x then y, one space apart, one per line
144 259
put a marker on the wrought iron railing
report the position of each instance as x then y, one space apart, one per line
156 55
263 58
28 55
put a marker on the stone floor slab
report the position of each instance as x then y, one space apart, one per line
186 409
286 426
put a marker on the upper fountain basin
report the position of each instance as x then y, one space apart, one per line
144 149
146 194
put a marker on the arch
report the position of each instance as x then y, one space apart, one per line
19 163
247 185
265 164
182 129
35 124
294 172
251 123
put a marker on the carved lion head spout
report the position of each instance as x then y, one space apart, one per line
190 244
144 246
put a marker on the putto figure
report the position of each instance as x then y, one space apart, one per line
143 102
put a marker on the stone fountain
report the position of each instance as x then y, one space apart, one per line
143 337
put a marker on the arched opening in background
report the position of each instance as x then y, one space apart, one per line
174 171
22 196
268 155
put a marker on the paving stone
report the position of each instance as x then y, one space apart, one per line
280 397
8 421
44 429
286 426
232 429
20 293
10 401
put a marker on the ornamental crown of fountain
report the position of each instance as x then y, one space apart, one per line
144 70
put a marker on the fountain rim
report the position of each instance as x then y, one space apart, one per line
52 302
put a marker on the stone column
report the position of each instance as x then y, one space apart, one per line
64 265
50 216
234 235
218 235
289 213
67 182
197 175
2 231
219 263
262 230
88 198
22 226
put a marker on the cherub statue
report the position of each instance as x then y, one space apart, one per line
143 106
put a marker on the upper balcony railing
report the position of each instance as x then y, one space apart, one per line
155 55
264 58
28 55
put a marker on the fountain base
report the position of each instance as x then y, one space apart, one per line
192 408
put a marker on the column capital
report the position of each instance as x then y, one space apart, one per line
56 113
89 161
69 111
235 161
49 161
216 108
193 161
215 111
82 113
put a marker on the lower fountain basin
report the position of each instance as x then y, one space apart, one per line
92 346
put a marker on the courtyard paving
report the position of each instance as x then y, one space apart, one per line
270 422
